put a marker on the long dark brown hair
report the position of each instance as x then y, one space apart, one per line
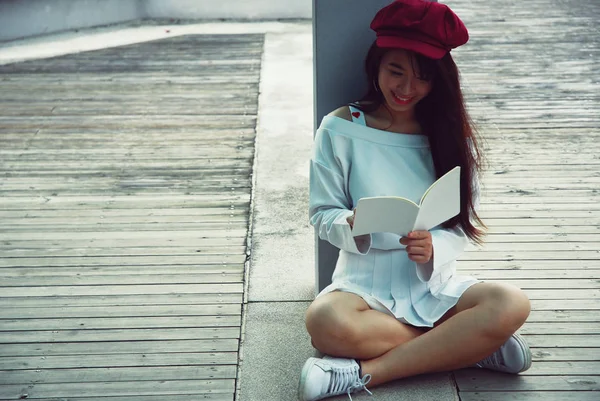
444 119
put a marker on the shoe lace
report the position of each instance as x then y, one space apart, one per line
348 379
360 384
495 360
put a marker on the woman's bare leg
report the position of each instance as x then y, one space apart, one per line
342 324
486 315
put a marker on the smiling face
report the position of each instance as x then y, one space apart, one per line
400 81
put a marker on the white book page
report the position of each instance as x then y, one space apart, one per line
384 214
440 202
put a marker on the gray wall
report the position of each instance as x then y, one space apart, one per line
244 9
23 18
342 38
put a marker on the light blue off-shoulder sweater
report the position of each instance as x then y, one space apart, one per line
351 161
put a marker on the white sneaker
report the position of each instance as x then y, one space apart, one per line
326 377
513 357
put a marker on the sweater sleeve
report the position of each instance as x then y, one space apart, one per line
329 202
448 245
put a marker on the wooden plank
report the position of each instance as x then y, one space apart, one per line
95 143
562 316
560 293
537 284
216 238
469 381
138 187
116 270
140 109
121 279
583 368
207 164
529 264
563 340
73 291
534 214
145 359
126 311
529 200
499 166
210 222
522 276
566 354
554 207
63 249
13 337
137 299
146 397
541 221
519 245
119 201
92 236
565 304
151 386
68 93
127 186
117 374
159 322
129 80
116 216
221 150
493 238
233 148
90 252
138 121
171 397
552 329
566 256
200 209
162 347
208 67
34 140
529 396
497 180
558 229
124 261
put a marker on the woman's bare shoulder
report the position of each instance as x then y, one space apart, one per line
342 112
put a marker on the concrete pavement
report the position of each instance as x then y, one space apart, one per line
281 280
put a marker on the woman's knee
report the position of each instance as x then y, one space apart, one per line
508 307
324 321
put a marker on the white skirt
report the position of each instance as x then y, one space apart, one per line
387 280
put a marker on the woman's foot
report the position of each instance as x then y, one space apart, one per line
513 357
326 377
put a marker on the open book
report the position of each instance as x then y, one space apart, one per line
394 214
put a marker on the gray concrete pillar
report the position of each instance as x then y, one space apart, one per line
342 37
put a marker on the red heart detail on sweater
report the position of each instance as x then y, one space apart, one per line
356 114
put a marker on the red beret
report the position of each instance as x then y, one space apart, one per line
431 29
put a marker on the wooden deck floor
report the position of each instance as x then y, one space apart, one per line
124 198
533 73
